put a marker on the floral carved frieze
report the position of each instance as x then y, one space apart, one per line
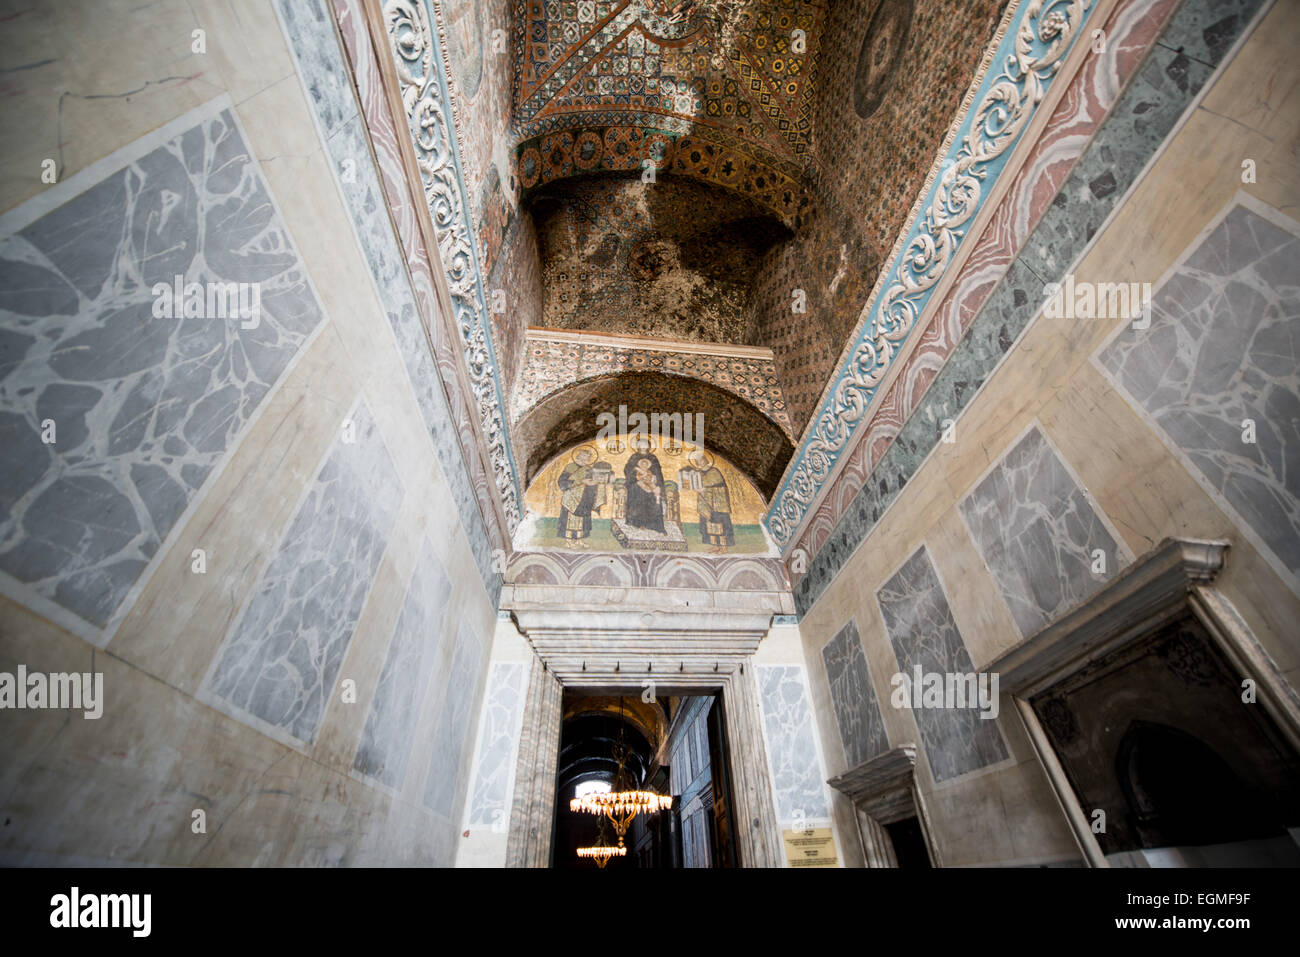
552 364
416 48
1031 54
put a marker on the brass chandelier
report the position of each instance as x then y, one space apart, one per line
623 802
602 851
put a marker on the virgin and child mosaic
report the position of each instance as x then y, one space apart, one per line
636 493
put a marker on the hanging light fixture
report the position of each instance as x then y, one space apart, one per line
624 801
601 851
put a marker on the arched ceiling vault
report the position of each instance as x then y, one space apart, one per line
670 260
648 717
717 90
703 173
733 428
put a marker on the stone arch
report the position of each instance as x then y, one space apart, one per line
733 428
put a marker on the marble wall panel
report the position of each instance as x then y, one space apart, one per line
395 710
922 631
1039 534
454 725
1223 348
502 713
323 68
791 744
282 656
145 406
857 712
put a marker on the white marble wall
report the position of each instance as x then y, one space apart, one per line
794 739
503 708
798 778
295 684
446 771
485 830
412 656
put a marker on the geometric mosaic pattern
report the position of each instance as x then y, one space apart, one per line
719 91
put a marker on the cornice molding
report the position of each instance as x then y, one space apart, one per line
885 772
1155 587
414 76
614 341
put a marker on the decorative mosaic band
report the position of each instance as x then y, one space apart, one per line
1031 53
1160 77
417 52
1130 30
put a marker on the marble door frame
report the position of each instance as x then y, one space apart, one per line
1172 580
614 664
883 790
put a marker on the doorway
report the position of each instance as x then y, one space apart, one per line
674 746
1172 761
740 805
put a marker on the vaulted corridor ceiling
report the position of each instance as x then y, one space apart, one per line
706 171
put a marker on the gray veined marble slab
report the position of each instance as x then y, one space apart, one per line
145 408
922 630
453 727
791 739
1224 347
499 739
1039 534
281 658
395 710
857 712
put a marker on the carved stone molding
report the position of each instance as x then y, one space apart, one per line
554 361
415 46
732 573
532 811
882 786
1043 36
626 639
1153 589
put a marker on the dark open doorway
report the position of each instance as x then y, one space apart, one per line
676 746
1171 758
